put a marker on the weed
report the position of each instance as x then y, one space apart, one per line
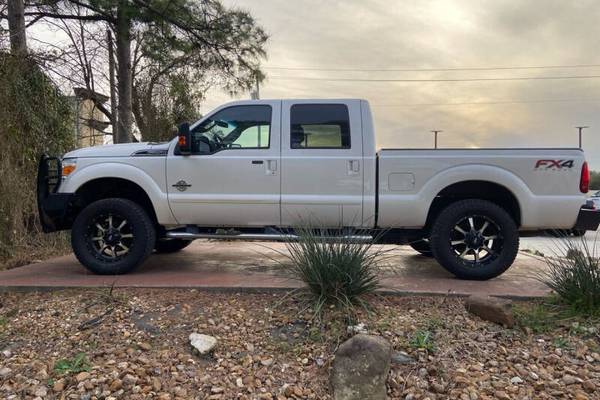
435 323
561 342
574 275
423 339
538 317
74 365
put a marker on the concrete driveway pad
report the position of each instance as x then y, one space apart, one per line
256 266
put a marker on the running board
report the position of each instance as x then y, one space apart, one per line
277 237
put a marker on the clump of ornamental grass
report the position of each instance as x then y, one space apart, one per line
574 275
337 270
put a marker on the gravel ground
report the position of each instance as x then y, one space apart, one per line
133 344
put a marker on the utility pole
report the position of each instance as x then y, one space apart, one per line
435 134
581 128
113 88
255 94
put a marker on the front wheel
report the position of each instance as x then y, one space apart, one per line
112 236
474 239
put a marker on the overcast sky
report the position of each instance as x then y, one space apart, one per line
379 34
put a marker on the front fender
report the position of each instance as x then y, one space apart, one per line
122 170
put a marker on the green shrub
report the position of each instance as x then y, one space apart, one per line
336 270
574 275
34 118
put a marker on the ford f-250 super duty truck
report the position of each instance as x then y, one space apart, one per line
256 169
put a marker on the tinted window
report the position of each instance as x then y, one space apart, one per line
319 126
237 127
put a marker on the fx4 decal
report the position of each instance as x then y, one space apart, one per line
554 164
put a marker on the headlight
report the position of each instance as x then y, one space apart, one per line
68 166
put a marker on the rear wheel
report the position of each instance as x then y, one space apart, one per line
112 236
422 246
474 239
171 245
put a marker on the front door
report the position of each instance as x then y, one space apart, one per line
322 171
232 177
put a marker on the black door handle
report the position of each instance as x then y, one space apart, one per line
257 161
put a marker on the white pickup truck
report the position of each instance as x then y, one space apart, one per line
256 169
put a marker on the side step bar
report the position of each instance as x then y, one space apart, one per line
260 236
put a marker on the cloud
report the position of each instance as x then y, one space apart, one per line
433 34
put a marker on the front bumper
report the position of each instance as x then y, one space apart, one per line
55 209
588 218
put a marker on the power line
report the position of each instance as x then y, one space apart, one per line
521 78
433 69
488 102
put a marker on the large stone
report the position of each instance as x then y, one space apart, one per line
491 309
201 343
360 368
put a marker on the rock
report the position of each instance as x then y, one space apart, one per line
59 385
501 395
41 391
116 385
145 346
570 379
358 328
156 384
267 362
82 376
203 344
491 309
590 386
402 358
516 380
360 368
4 372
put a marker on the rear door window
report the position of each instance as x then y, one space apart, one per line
319 126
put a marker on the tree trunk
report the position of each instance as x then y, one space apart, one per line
113 88
123 39
16 27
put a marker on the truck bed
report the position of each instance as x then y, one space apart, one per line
545 180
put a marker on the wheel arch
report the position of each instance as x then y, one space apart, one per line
475 189
108 187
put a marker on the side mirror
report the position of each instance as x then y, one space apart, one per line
185 139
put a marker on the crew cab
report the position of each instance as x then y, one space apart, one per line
257 169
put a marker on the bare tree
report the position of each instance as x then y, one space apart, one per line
16 27
181 44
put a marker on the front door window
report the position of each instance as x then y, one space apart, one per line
237 127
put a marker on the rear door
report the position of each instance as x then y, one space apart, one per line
232 177
321 171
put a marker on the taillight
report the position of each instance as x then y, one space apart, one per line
584 183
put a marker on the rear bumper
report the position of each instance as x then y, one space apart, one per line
55 209
588 218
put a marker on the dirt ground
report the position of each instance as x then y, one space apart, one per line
133 344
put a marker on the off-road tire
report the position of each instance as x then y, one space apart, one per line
171 245
422 246
443 231
140 228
